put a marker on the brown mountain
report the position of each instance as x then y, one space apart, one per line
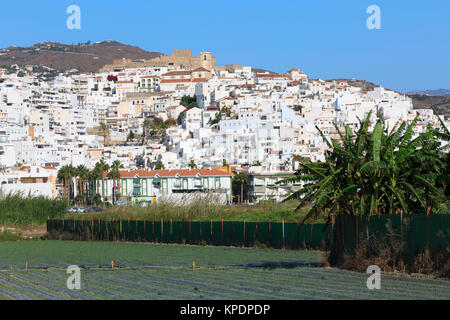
420 101
83 57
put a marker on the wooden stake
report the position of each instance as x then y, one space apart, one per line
26 266
193 264
112 264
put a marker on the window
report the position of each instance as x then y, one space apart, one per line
198 182
157 183
136 186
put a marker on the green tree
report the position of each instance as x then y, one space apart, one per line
159 165
374 172
192 164
189 102
256 163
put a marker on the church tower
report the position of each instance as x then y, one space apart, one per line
207 60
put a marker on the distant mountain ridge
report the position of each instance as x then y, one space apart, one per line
436 92
85 57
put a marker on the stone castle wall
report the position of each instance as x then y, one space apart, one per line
179 58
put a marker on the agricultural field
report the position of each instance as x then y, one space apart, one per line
37 270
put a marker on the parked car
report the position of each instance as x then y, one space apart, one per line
72 210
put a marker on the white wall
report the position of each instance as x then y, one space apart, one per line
35 189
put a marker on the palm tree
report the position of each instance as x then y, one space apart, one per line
114 174
95 175
241 178
64 175
19 165
104 131
192 164
83 177
103 167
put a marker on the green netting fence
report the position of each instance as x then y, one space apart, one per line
416 231
220 233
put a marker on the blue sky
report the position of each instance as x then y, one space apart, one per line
325 38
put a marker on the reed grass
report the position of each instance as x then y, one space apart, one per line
205 211
17 210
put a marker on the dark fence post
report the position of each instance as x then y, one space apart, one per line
356 226
245 242
270 234
145 232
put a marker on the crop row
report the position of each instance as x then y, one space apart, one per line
215 283
61 254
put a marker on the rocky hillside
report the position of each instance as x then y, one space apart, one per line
85 57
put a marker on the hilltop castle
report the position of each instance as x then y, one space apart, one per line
181 58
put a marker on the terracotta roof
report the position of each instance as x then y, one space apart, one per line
49 168
175 80
200 69
172 173
177 73
199 80
272 75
